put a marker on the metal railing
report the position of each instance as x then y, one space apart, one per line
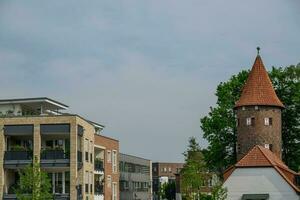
18 155
54 155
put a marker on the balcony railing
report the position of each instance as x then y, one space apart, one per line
54 155
18 155
61 196
98 164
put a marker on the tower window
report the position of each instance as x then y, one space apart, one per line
268 121
250 121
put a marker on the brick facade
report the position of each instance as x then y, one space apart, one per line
258 133
109 145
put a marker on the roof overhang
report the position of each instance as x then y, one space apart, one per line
47 103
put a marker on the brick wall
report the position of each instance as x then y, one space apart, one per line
110 145
259 133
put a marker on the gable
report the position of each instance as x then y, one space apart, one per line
260 180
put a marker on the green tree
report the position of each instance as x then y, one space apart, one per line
168 191
219 125
34 184
193 173
286 82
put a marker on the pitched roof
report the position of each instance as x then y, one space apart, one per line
259 156
258 89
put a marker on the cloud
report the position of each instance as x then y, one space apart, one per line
146 69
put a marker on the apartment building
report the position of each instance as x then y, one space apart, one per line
163 172
135 178
106 168
63 144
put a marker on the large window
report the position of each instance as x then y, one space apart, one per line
114 191
91 181
86 149
86 182
108 156
114 160
60 182
108 181
91 151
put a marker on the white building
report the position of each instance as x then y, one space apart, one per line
261 175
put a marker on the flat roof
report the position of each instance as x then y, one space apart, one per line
44 100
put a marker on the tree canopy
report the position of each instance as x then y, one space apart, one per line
34 184
219 126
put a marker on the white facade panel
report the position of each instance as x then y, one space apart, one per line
259 181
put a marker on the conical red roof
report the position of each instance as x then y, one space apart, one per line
258 89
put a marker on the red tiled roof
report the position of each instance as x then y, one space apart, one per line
258 89
261 157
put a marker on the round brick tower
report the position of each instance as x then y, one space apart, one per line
258 113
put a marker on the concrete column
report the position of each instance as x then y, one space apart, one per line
2 149
73 160
37 142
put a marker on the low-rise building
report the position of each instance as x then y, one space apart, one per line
163 172
261 175
135 178
64 144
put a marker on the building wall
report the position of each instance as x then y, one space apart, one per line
258 181
161 171
76 177
259 134
110 145
88 166
131 177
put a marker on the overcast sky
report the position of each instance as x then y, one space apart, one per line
147 70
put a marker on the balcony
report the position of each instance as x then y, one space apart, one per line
17 159
55 158
99 165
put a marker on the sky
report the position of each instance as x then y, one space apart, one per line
147 70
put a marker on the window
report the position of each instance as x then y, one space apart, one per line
86 182
114 191
86 149
170 169
108 181
114 160
268 121
91 182
165 169
91 151
109 156
250 121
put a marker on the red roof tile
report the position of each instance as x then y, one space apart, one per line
258 89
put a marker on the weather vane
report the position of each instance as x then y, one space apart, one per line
258 49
